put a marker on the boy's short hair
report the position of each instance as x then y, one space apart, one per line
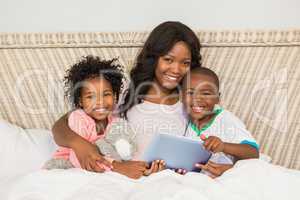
204 71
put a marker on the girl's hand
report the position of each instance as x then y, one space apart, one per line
131 169
156 166
214 169
89 156
213 144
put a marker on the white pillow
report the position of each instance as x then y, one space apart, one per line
23 150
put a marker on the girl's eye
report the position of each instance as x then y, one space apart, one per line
91 97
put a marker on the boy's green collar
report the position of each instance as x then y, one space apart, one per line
217 111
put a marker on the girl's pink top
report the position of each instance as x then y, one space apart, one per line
85 126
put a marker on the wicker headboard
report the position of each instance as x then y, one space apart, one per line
259 72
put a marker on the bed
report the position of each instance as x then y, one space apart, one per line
260 83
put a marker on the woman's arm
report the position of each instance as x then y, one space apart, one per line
87 153
131 169
63 135
136 169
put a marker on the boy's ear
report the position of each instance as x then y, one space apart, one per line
219 97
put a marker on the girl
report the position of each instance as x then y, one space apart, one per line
93 86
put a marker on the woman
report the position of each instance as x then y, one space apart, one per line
152 102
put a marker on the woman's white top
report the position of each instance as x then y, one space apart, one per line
148 119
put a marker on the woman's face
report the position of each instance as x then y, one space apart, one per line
172 67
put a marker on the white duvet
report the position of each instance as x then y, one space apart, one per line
248 180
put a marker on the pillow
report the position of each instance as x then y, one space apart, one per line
23 150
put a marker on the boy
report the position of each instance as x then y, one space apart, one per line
222 133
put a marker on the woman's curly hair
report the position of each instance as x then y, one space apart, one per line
92 67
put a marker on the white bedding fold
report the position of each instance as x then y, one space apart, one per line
248 180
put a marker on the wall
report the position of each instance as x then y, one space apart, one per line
135 15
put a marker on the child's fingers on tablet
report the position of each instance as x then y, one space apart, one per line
215 146
210 144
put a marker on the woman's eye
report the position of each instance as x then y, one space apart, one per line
107 94
169 60
187 63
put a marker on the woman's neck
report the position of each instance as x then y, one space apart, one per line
159 95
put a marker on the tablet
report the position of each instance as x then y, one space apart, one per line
177 151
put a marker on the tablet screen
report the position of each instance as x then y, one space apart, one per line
178 152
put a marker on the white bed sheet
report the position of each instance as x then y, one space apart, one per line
248 180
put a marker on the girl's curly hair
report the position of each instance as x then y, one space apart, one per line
91 67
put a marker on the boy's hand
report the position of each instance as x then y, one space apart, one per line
156 166
214 144
89 156
214 169
131 169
